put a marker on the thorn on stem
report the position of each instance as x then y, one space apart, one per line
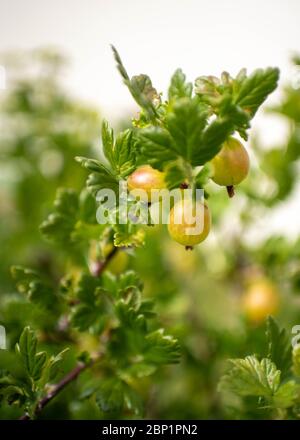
230 190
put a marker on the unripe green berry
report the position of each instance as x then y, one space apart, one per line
180 230
260 300
231 164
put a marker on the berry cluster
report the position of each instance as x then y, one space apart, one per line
230 167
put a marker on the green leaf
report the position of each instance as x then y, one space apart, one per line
121 153
120 65
140 87
207 87
213 137
30 283
86 288
110 396
10 361
286 395
174 175
237 99
108 142
84 232
87 207
83 316
279 347
161 348
108 283
73 221
156 145
124 153
255 89
60 224
128 235
14 394
93 294
129 280
57 228
39 365
140 369
179 88
23 277
133 400
251 377
130 309
55 363
237 118
26 348
33 362
66 202
100 178
186 123
130 317
187 136
204 175
144 93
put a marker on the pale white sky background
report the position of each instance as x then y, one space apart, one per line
156 37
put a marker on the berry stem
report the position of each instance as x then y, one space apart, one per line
230 190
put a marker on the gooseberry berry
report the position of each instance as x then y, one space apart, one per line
260 300
146 178
231 164
185 230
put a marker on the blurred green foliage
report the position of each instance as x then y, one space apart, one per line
42 129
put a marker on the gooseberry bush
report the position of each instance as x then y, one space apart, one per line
113 340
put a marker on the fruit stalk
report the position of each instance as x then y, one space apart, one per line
230 191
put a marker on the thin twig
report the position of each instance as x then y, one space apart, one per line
100 266
70 377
